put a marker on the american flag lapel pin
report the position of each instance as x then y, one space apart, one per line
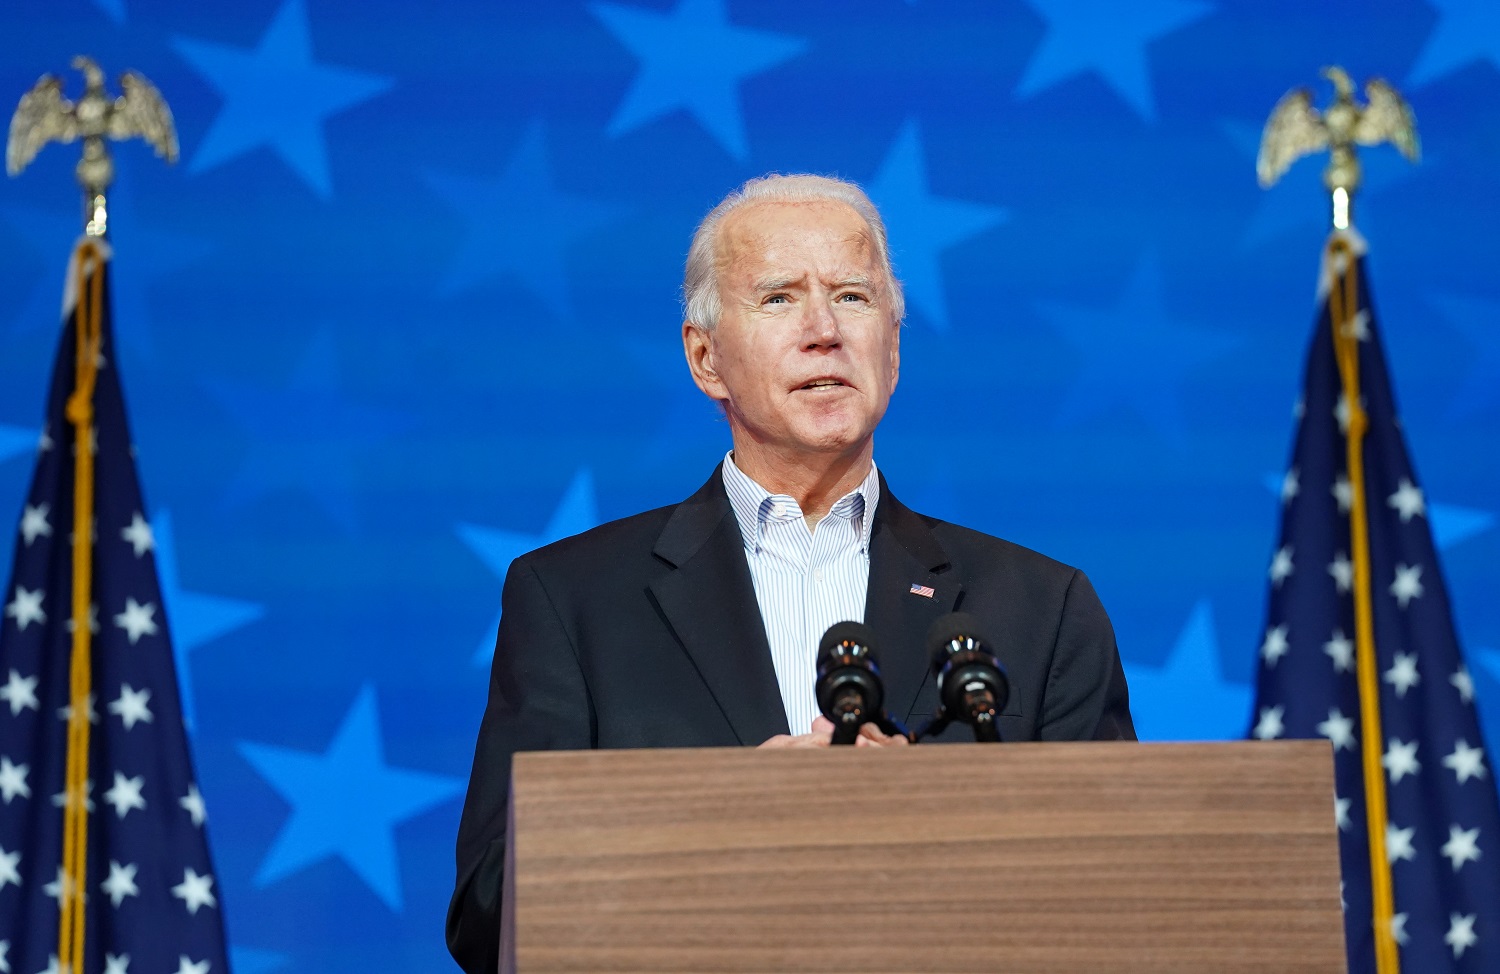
926 591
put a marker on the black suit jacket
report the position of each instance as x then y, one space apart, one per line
645 632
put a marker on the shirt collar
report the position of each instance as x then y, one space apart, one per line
754 506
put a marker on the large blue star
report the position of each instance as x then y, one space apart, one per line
113 9
306 435
195 619
921 225
576 512
1475 318
693 59
1108 37
1188 698
1299 200
345 802
520 224
276 95
1467 30
1133 355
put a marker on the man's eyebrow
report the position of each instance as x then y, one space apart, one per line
776 283
856 281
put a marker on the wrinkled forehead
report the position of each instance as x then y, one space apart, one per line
766 235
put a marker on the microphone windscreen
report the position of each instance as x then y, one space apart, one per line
954 625
851 632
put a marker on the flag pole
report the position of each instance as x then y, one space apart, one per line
1343 305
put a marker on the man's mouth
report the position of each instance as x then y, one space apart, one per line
825 384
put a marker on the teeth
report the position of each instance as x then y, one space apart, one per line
822 383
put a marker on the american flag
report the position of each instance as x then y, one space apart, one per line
152 906
1442 823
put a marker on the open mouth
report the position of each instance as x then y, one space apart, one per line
825 384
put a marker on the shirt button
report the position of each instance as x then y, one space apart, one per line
817 574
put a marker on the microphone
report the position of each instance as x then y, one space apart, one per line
971 682
849 689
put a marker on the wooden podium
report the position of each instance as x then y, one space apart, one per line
968 857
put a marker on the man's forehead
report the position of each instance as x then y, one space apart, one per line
767 229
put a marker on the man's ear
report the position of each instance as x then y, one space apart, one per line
698 347
896 356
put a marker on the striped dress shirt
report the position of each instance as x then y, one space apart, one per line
806 577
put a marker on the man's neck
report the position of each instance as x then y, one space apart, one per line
814 481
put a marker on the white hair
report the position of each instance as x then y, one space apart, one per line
700 280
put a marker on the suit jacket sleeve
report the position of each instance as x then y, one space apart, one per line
1086 698
538 700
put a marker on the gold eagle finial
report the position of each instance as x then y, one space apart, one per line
1296 129
45 115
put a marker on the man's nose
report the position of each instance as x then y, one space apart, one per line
822 326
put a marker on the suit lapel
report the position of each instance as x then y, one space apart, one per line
903 553
709 601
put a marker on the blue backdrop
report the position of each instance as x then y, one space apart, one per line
408 308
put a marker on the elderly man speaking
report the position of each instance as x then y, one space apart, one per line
698 624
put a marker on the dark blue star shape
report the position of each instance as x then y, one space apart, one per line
306 435
692 59
1188 698
1466 31
1475 319
195 618
520 224
1107 37
1136 330
277 96
576 513
921 225
346 802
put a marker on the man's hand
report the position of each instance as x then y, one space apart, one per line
821 735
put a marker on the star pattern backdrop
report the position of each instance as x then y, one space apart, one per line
408 307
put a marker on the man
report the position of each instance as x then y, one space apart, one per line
697 625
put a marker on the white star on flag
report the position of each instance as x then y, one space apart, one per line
1275 645
1341 813
1466 762
1408 501
34 523
1281 566
138 533
126 794
1290 486
70 796
1401 759
1460 933
1403 675
121 883
195 891
1398 929
1342 570
51 967
60 887
137 620
9 868
66 713
1340 649
13 780
26 607
1338 729
1398 843
116 964
1358 326
1408 584
1462 846
131 706
1343 492
1463 683
193 802
185 966
20 693
1270 726
93 620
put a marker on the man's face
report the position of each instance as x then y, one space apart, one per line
806 352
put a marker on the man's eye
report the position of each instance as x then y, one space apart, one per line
776 299
852 296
